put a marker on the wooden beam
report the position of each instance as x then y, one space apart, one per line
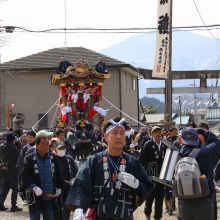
186 90
177 75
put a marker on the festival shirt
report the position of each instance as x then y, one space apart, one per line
151 157
172 139
118 200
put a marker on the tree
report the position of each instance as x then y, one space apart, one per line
154 102
150 109
191 118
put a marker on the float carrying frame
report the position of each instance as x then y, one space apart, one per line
169 163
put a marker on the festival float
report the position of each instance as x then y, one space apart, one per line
80 92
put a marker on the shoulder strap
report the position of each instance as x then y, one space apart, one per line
194 153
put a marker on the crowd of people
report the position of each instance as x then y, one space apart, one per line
41 167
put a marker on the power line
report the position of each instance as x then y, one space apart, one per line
103 30
203 20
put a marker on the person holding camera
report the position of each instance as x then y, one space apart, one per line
17 122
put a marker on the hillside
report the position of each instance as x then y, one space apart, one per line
154 102
190 52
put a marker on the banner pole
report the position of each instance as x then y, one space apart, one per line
168 89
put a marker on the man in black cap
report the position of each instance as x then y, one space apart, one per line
200 208
151 157
10 181
63 66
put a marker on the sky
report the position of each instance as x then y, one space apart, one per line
47 14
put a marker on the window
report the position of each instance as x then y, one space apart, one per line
43 123
125 80
202 117
133 83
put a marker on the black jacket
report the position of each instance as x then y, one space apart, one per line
128 141
81 137
101 67
142 140
147 154
29 177
72 167
207 157
172 139
11 153
63 66
95 139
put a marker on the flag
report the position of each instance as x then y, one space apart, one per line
161 59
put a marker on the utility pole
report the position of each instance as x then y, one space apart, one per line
1 93
195 120
180 103
168 81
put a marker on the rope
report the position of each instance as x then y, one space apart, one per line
45 114
123 112
54 117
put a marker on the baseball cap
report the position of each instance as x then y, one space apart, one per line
60 144
155 128
55 139
44 132
189 136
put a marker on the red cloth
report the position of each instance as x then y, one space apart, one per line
73 112
83 104
64 117
70 98
91 113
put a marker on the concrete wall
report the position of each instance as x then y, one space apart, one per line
129 97
33 94
129 100
111 92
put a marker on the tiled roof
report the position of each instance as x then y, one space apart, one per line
184 119
155 118
50 59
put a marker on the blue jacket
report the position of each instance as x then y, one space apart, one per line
46 177
207 156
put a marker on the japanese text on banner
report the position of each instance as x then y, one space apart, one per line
161 60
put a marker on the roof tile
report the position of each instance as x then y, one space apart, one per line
51 58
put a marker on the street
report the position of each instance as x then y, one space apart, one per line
24 215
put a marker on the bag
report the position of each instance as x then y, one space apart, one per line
4 169
188 182
91 213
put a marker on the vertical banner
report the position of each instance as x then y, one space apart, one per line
161 60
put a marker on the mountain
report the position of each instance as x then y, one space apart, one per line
190 52
154 102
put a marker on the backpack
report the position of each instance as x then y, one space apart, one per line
188 182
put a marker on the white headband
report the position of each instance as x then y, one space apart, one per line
115 124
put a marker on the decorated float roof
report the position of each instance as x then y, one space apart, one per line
80 74
49 59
